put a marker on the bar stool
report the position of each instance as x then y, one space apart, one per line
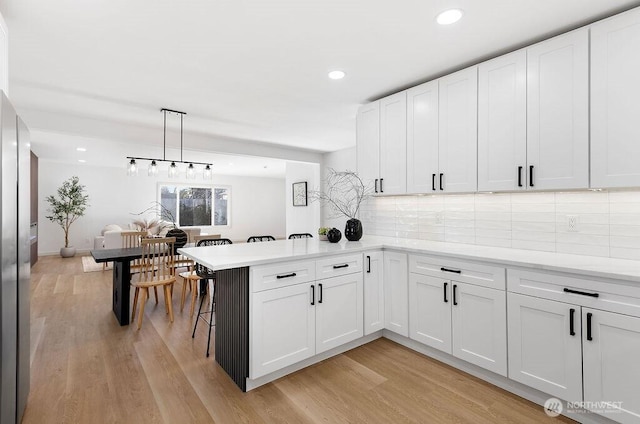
254 239
299 236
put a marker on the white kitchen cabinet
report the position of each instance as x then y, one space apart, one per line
368 142
339 311
283 328
615 101
558 112
610 362
422 138
396 296
462 319
373 292
430 311
544 352
502 122
393 144
458 131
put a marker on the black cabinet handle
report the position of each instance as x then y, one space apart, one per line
589 315
519 176
433 182
293 274
381 180
320 288
376 185
368 264
341 266
313 295
445 292
456 271
530 175
441 174
566 290
455 301
571 329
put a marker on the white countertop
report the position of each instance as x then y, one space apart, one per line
250 254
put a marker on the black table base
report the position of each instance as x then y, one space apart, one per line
121 293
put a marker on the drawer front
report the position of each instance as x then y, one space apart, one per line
338 265
266 277
609 296
466 272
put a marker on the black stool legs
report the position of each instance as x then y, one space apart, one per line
200 315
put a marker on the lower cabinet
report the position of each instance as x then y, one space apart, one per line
561 348
293 323
462 319
373 292
396 296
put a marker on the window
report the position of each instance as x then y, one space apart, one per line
196 206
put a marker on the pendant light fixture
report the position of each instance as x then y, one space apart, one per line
132 166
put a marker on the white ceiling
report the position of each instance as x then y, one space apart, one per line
248 70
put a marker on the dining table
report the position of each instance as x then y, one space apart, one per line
121 259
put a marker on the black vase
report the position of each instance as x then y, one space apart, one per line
181 237
353 230
334 235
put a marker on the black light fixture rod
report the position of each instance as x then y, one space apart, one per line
169 160
164 140
164 109
181 136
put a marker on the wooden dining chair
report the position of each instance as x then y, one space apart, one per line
132 239
254 239
157 270
299 236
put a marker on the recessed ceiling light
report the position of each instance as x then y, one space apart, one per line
81 149
81 160
336 75
449 17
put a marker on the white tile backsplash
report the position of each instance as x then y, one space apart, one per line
608 223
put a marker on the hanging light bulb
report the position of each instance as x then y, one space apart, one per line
207 174
153 169
132 168
173 170
191 172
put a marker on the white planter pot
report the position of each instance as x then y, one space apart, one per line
67 252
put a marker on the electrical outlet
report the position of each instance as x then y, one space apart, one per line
439 218
572 223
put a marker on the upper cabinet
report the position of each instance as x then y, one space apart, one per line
615 101
381 144
458 131
533 126
441 134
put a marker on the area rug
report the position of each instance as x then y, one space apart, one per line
89 265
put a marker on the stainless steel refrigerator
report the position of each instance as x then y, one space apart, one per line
15 269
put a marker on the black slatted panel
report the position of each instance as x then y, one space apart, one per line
232 323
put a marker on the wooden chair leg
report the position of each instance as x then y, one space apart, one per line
143 301
168 289
194 295
155 292
135 303
185 281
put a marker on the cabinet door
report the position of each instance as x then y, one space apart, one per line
458 131
422 138
368 142
543 353
502 122
283 328
339 311
396 296
558 112
373 292
393 144
615 101
430 311
479 317
610 361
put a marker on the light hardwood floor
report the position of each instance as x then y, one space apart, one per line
87 369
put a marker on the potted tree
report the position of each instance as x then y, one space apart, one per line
70 204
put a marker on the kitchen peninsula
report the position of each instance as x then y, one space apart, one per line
284 305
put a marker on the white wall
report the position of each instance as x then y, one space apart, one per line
608 223
4 57
257 204
302 219
341 160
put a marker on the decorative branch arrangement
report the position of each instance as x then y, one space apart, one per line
344 193
163 218
70 204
